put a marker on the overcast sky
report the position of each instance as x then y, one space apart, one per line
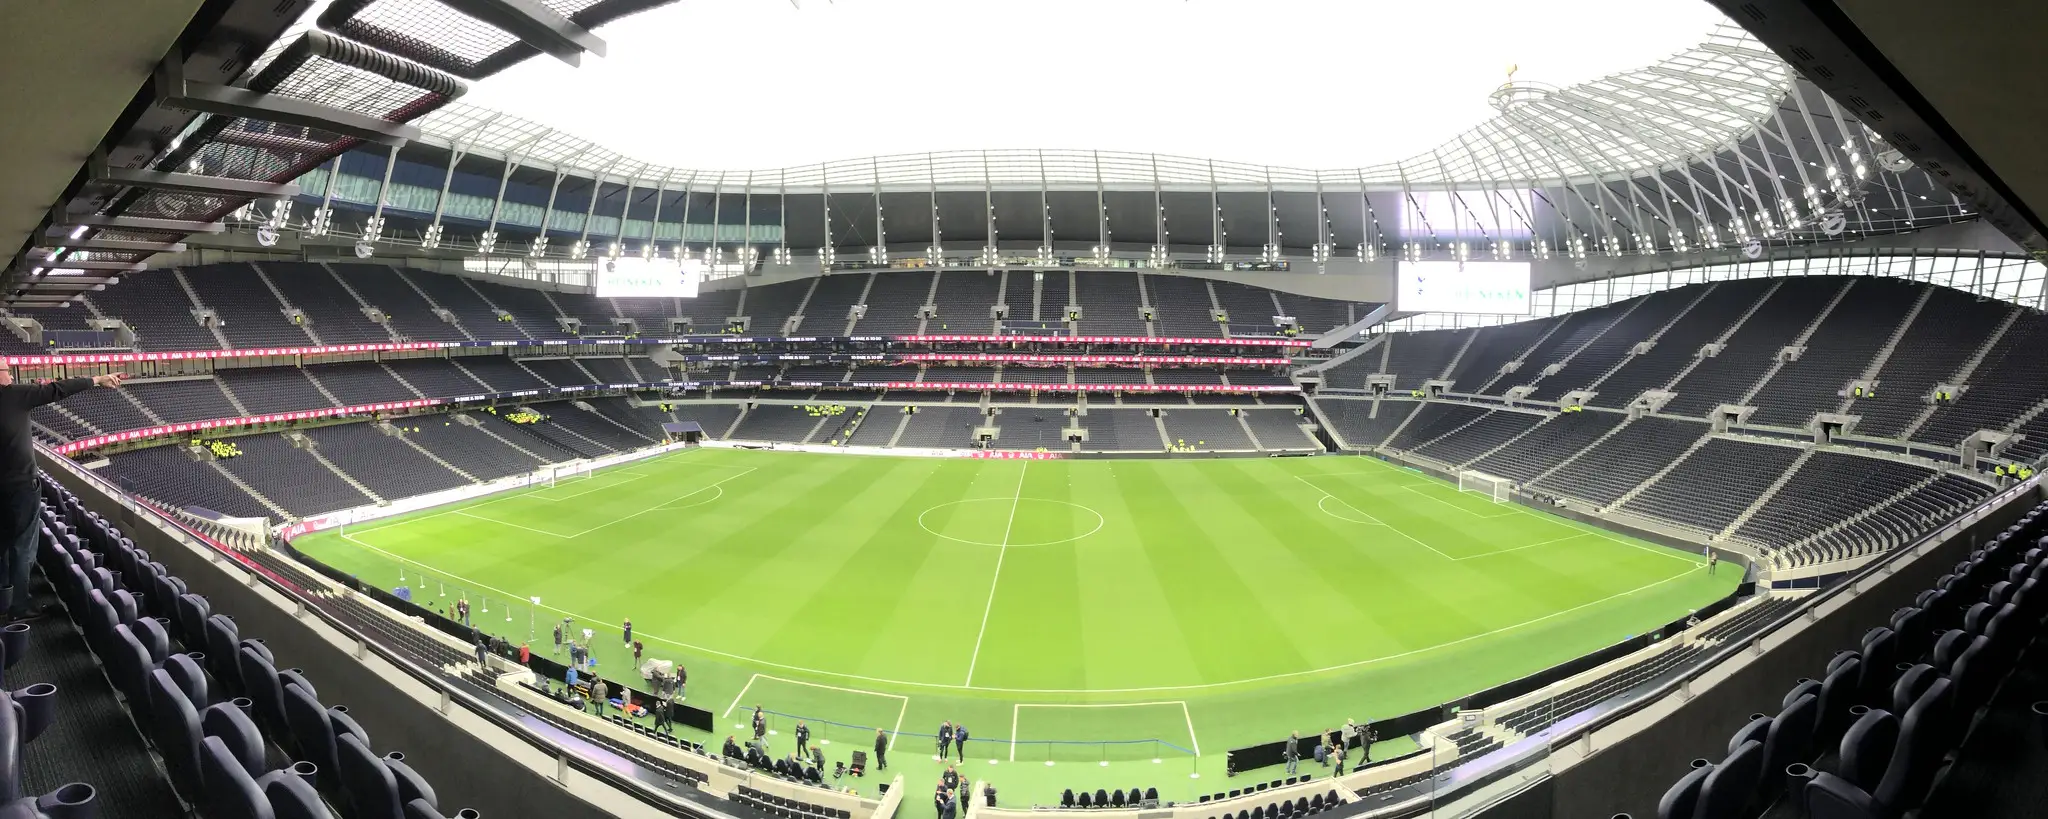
755 84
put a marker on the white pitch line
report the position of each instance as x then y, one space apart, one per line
739 696
1530 546
1016 499
1018 707
1390 527
511 524
1427 496
659 507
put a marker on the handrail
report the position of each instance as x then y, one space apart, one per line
1811 603
641 791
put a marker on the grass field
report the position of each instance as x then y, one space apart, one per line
1087 617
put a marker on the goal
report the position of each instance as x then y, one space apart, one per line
569 471
1494 485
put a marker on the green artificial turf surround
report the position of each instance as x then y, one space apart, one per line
1094 611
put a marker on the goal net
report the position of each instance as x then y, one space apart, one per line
1495 486
570 471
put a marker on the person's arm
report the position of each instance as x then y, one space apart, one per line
40 394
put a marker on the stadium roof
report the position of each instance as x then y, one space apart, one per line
1685 106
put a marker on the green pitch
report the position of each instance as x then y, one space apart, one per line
1098 623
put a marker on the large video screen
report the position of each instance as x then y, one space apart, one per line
1463 287
632 276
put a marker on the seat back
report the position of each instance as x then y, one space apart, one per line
1791 737
1680 799
230 792
1733 783
1867 748
368 784
1923 738
175 727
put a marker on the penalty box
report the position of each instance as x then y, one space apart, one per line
854 713
1055 732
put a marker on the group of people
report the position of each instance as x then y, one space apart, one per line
952 738
1331 747
806 763
946 797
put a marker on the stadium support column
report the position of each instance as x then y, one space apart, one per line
432 238
373 230
1272 250
1321 252
1159 254
936 254
649 250
781 217
825 213
879 253
489 240
747 253
582 247
712 255
1368 225
1216 234
1046 244
683 243
324 216
618 247
1101 214
989 255
539 246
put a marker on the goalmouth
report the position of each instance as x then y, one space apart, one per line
1501 489
568 470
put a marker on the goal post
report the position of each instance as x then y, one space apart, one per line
568 471
1495 486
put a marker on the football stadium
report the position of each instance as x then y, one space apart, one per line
1162 409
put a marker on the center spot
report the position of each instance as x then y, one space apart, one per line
986 521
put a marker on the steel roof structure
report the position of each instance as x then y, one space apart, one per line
1720 145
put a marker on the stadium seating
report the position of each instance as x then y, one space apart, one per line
1550 443
1714 484
1485 434
383 461
1206 429
273 389
1950 328
1870 739
454 294
941 427
1493 348
183 400
1714 314
1181 306
1637 320
331 309
1435 420
1122 430
181 669
1413 358
1841 347
359 383
1750 351
1573 332
893 301
155 306
250 314
1366 423
1111 303
1621 461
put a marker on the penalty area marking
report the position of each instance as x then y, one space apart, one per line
1017 710
1390 527
659 507
903 706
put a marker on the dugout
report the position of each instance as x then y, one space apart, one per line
687 432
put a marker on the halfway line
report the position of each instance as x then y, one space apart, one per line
1002 549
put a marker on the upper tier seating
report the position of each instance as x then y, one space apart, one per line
410 314
265 390
1725 378
2012 377
964 299
831 303
362 382
1493 348
1640 319
1840 349
893 301
332 311
1950 328
1181 306
436 377
453 293
1679 346
533 310
1575 331
500 374
250 315
155 306
183 400
1413 358
771 305
1110 303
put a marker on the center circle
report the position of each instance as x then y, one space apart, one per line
987 521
